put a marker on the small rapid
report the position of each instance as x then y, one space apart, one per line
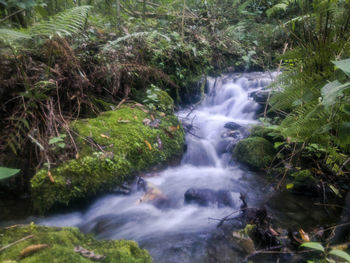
178 232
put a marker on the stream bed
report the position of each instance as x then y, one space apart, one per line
180 231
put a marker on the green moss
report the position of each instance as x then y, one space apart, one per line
165 102
267 133
256 152
112 147
61 243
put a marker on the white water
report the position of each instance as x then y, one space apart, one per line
179 233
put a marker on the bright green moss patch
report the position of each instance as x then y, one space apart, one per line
256 152
61 243
112 147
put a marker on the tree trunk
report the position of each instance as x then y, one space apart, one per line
144 10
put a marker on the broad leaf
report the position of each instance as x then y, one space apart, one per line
344 65
332 91
313 245
7 172
341 254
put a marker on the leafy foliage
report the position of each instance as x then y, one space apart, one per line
6 172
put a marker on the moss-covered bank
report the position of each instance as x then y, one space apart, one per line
112 147
60 244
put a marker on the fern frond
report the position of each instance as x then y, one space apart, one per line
65 23
146 34
9 36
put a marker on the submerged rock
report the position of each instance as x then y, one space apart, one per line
232 126
60 245
112 147
260 96
206 197
256 152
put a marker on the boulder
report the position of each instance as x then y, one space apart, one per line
260 96
232 126
112 147
256 152
267 133
206 197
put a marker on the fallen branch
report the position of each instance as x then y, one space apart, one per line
16 242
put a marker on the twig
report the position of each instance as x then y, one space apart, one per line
286 171
16 242
15 13
120 103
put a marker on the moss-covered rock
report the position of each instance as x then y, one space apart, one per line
267 133
60 246
256 152
112 147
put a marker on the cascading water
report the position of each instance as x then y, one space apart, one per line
178 232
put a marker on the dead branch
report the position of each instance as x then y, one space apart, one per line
16 242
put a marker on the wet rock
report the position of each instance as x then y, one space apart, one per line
260 96
224 146
206 197
233 134
153 195
232 126
256 152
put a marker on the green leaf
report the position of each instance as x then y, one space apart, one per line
55 140
344 65
332 91
341 254
313 245
7 172
289 186
335 190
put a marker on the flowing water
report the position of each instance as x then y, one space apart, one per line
179 233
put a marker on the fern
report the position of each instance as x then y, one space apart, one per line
63 24
151 35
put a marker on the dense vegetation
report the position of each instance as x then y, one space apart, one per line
63 61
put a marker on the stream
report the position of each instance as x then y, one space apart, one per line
181 231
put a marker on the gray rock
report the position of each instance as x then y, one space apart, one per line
232 126
206 197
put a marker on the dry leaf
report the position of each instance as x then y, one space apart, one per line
32 249
50 176
104 136
168 133
146 121
148 145
172 128
77 156
273 232
88 254
304 236
135 118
